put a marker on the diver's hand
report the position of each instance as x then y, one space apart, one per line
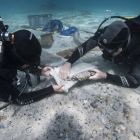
58 88
98 75
46 71
65 71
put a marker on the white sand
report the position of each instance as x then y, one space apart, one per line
90 111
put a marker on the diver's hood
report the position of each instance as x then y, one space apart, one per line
26 47
115 34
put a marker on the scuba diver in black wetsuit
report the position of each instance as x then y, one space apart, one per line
21 51
120 43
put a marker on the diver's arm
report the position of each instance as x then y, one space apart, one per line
83 49
10 93
131 80
27 98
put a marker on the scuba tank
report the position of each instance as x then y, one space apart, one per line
5 36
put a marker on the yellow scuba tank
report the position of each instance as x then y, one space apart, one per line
129 17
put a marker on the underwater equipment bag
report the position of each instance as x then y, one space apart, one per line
57 25
68 32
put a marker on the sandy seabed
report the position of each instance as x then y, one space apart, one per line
90 110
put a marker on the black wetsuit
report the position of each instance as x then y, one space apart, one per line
8 72
130 56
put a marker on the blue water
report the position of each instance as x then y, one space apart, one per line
14 6
9 9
